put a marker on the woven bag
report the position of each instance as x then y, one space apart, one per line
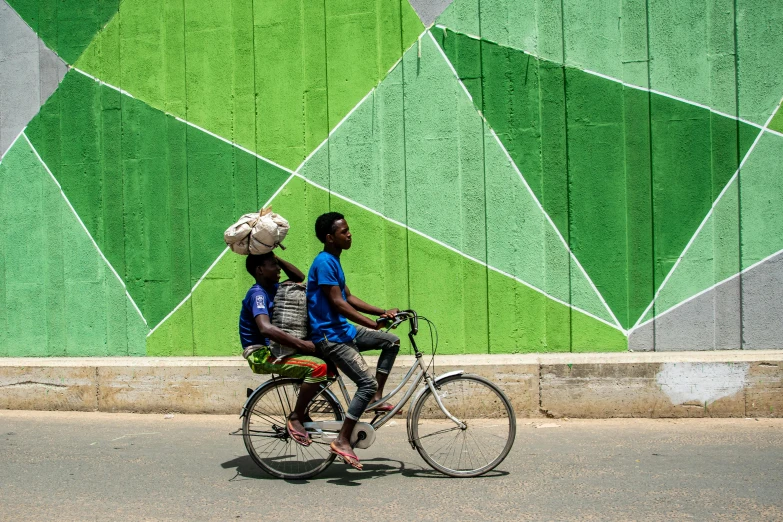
290 315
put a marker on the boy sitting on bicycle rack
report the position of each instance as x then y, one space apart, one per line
330 305
256 330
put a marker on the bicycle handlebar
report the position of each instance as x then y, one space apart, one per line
401 317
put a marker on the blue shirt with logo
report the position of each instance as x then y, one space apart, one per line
257 301
324 320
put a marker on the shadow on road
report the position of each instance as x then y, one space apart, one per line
343 475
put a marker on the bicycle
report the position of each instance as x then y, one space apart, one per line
461 424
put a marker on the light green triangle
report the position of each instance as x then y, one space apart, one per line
715 252
438 186
776 123
728 59
253 73
446 287
59 297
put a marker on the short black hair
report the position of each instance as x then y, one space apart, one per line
254 261
325 225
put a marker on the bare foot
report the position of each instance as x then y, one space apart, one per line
345 452
298 432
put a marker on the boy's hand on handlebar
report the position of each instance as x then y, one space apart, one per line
382 322
391 313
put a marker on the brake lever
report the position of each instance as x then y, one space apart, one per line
399 319
395 324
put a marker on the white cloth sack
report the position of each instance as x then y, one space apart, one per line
257 233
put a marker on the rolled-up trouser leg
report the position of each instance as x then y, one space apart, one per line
387 343
347 358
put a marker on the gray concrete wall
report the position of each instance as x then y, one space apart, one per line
29 73
744 312
682 384
429 10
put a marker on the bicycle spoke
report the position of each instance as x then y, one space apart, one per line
266 437
480 444
439 432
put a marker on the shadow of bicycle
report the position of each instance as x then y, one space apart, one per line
342 475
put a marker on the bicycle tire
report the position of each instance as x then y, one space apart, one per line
267 440
489 421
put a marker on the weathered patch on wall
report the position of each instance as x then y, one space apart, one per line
701 382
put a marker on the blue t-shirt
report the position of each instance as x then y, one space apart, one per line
256 302
325 321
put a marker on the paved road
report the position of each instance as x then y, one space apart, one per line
97 466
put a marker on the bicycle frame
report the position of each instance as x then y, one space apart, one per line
431 383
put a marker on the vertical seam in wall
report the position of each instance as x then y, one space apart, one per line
328 124
123 209
255 98
97 391
484 124
568 178
187 170
541 410
652 187
405 157
626 183
712 51
739 181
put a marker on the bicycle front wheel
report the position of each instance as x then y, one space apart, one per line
485 437
267 440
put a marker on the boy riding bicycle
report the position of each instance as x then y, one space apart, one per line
330 305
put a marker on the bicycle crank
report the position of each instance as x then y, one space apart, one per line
325 432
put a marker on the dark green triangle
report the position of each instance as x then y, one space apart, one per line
613 166
66 26
155 193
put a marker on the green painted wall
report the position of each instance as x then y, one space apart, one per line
271 76
152 191
604 160
532 176
60 297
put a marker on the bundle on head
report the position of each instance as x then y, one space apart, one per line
257 233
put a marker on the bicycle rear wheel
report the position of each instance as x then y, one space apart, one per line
484 441
267 440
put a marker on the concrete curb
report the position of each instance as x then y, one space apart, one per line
578 385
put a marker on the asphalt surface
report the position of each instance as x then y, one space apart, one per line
99 466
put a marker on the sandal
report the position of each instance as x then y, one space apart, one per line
385 408
300 437
347 457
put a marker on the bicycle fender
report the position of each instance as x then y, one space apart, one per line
271 382
418 396
250 396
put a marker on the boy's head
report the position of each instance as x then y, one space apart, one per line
332 229
263 267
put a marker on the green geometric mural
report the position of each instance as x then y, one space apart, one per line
155 193
58 297
622 145
66 26
533 176
717 252
439 278
256 72
458 187
728 56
